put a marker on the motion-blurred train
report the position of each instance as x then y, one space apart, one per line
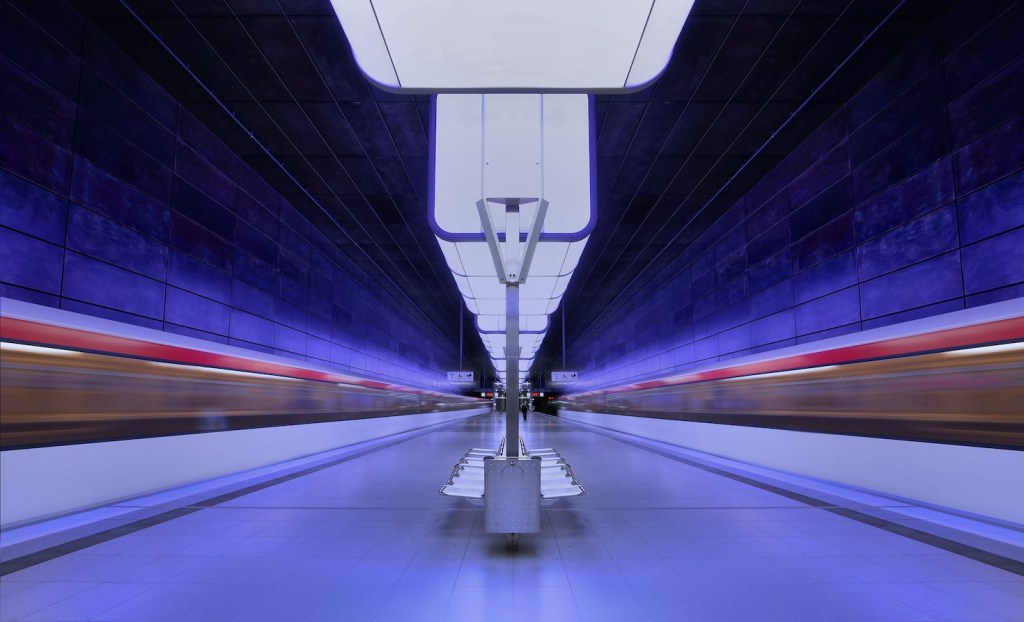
955 379
93 380
960 382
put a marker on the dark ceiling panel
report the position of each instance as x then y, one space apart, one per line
747 38
333 126
699 43
279 44
366 121
327 47
232 43
620 123
658 120
294 123
394 176
407 130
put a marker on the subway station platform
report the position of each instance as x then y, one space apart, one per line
361 533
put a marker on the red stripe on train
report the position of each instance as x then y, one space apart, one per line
14 329
998 331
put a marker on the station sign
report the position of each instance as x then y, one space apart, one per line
460 376
563 376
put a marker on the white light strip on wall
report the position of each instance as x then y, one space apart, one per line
789 372
219 370
1003 347
22 347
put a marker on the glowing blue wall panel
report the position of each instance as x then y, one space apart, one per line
908 202
116 202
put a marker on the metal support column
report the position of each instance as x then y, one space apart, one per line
512 370
512 266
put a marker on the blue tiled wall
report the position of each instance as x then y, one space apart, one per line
116 202
908 202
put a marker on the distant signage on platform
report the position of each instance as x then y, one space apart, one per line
563 376
460 376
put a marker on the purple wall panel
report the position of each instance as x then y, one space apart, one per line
835 309
30 209
33 157
775 298
36 105
828 276
773 328
35 50
117 202
30 262
993 102
918 194
928 236
93 235
995 262
104 194
203 279
913 314
187 309
992 157
191 332
992 209
935 280
86 308
99 283
908 202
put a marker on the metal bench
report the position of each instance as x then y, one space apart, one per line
557 479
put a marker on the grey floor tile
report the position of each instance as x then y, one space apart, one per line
935 603
545 602
161 569
38 596
833 602
647 571
472 602
439 573
429 604
585 547
10 587
493 572
867 569
947 568
544 572
327 603
444 546
600 603
1015 588
987 596
322 570
372 571
593 572
90 603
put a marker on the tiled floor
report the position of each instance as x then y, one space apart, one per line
370 539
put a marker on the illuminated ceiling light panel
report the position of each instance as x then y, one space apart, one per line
493 147
499 46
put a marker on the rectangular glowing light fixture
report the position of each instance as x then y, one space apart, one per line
528 45
485 150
